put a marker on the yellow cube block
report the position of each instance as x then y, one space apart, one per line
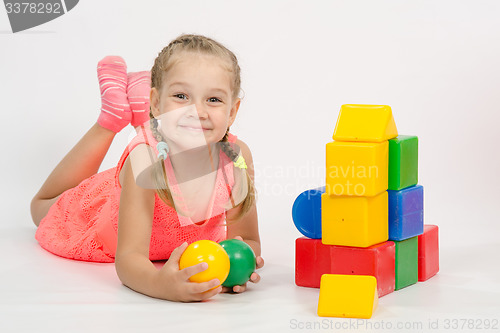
354 221
365 123
357 168
347 296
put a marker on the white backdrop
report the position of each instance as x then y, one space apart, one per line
436 63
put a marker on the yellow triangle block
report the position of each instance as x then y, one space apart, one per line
365 123
347 296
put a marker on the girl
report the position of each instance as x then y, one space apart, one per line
183 122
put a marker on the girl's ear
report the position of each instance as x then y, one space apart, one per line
154 102
234 111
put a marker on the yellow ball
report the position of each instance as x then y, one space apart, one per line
210 252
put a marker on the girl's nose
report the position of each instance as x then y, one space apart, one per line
202 111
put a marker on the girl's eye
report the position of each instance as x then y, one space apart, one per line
214 100
180 96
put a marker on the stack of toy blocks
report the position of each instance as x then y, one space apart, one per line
366 220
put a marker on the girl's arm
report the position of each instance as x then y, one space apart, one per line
132 263
247 227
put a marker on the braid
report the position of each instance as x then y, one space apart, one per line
154 127
249 200
159 175
226 147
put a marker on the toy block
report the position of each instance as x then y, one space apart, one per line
347 296
306 212
356 168
406 213
403 162
377 260
406 262
428 253
313 259
365 123
354 221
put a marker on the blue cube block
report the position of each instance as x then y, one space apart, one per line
306 212
406 213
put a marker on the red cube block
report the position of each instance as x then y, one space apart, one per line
428 253
313 259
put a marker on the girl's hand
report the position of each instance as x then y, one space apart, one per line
254 278
174 284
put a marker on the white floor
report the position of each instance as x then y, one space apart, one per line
41 292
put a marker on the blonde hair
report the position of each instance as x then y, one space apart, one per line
163 62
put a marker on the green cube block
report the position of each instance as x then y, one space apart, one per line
406 262
403 162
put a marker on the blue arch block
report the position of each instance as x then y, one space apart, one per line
306 212
406 213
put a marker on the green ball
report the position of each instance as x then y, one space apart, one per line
242 262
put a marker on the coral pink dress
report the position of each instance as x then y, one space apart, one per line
82 224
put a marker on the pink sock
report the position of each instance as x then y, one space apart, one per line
115 110
138 89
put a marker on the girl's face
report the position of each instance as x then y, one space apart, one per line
195 104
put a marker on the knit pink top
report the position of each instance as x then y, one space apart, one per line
82 224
